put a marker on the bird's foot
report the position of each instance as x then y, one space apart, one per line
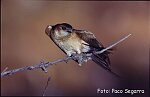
80 64
80 58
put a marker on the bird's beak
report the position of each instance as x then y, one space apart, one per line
48 29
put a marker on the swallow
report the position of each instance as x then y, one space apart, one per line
73 41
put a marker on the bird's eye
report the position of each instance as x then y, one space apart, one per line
64 28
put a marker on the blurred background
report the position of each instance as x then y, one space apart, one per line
24 43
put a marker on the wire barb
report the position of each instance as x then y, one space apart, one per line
44 69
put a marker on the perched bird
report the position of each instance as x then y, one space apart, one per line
72 41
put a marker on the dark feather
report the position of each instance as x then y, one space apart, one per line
88 37
100 59
103 61
94 45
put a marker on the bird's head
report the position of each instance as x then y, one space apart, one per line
59 30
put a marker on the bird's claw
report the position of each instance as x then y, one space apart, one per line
80 58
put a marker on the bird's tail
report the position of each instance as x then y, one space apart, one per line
103 61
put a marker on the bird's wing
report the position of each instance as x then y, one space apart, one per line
100 59
90 39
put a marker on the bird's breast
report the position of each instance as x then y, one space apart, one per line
73 44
